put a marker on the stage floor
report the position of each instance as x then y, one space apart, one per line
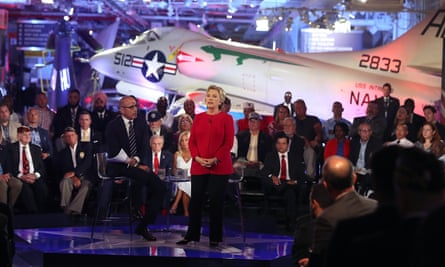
114 245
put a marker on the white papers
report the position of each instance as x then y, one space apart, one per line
120 157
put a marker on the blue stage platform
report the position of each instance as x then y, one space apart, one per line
115 246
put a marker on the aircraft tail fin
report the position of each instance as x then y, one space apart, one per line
411 51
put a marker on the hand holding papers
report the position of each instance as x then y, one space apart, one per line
121 157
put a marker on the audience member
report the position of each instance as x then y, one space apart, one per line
189 108
340 145
283 174
319 199
8 127
46 115
158 158
75 163
414 118
276 125
362 149
10 186
402 117
14 116
429 112
184 124
127 142
377 122
182 161
339 179
428 135
26 164
401 134
368 240
66 116
253 145
211 140
156 127
337 116
89 134
161 107
287 103
243 124
101 115
388 106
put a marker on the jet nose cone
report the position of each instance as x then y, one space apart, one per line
100 61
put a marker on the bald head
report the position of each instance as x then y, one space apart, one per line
338 173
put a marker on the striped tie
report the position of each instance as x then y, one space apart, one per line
132 139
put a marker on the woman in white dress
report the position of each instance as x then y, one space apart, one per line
182 160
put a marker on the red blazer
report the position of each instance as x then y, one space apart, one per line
212 136
331 148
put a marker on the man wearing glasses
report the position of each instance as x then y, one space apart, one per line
127 141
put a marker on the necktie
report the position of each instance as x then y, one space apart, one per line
132 139
25 162
283 168
156 163
73 116
85 136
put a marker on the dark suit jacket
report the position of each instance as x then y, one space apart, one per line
117 137
4 159
96 140
84 161
101 124
165 161
372 147
37 161
356 239
264 144
394 104
349 205
62 119
272 165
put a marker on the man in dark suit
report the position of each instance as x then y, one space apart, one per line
283 174
75 165
165 157
88 134
127 140
361 151
388 106
26 164
100 115
66 116
339 179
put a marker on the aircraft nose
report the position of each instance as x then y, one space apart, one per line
101 62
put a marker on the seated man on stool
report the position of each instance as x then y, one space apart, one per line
74 162
283 174
127 141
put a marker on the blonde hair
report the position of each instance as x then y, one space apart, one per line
182 134
222 94
182 117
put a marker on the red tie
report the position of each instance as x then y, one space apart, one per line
156 163
283 167
25 162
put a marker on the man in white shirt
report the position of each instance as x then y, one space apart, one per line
401 134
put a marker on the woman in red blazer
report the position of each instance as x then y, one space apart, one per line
210 142
340 144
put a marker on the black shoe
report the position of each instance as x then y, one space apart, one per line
214 244
184 242
142 231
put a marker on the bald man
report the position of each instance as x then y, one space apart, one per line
339 179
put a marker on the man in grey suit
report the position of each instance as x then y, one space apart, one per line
339 179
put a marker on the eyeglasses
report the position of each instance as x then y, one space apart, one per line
130 107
